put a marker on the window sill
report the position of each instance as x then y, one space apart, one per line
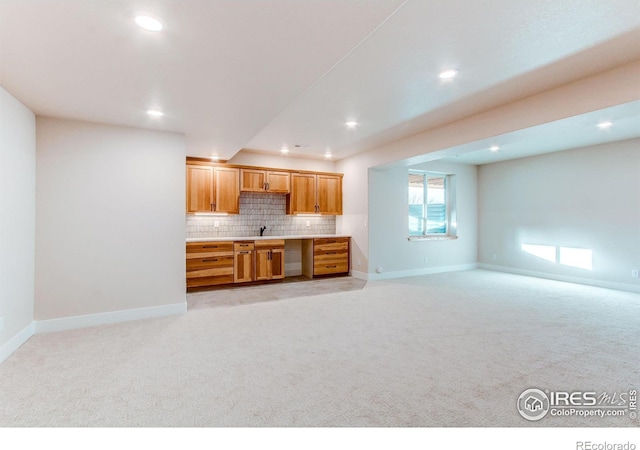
432 238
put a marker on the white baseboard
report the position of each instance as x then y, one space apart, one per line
418 272
569 279
89 320
359 275
15 342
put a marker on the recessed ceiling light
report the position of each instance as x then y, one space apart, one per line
603 125
351 124
149 23
494 148
447 74
284 149
327 155
155 113
215 157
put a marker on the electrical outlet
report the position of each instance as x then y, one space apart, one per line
216 224
494 257
2 323
308 223
426 259
359 263
635 273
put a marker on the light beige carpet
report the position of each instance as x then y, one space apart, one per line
454 349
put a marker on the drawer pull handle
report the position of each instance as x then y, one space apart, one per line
331 267
209 246
210 260
243 253
331 253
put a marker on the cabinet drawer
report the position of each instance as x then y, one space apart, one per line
269 243
242 246
209 281
208 262
326 268
209 247
331 255
330 244
210 272
208 255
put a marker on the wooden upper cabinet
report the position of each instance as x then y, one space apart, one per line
215 187
252 180
278 182
255 180
329 194
303 194
212 189
226 190
199 189
315 194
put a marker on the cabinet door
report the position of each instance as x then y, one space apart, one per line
199 189
243 267
303 194
270 264
226 190
329 194
263 264
252 180
278 182
277 263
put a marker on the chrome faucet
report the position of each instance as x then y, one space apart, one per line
262 230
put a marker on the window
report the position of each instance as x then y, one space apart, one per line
431 208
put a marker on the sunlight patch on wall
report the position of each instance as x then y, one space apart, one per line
547 252
580 258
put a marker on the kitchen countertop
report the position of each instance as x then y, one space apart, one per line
261 238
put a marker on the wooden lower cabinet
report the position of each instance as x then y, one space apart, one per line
326 256
243 262
236 262
269 260
209 263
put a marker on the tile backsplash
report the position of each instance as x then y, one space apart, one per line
258 210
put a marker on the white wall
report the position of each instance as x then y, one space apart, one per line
110 219
354 220
17 218
568 100
248 158
388 224
584 198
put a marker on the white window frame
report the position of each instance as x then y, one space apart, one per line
451 228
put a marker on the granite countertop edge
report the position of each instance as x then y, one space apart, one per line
261 238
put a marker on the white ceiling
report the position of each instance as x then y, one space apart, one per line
565 134
260 74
